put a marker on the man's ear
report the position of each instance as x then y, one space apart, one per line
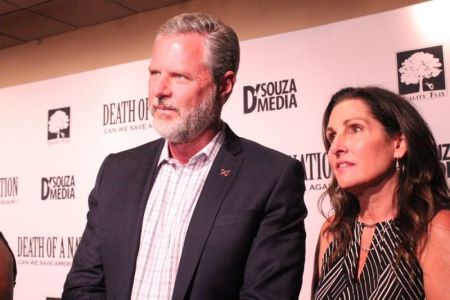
226 85
401 146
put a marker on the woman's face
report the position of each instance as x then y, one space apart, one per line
362 155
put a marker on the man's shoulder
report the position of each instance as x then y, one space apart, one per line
260 160
251 149
257 150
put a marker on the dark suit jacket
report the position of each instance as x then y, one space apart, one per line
246 238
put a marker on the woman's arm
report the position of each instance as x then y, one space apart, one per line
435 258
323 242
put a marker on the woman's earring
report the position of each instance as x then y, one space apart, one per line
397 165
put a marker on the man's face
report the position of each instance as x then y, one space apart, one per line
182 93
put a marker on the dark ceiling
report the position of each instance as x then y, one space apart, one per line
27 20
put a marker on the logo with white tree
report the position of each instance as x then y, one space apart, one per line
418 67
421 70
59 123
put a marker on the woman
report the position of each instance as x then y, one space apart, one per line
7 270
389 233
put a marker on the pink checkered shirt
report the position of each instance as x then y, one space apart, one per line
167 216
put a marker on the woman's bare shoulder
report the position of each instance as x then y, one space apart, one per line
441 221
326 237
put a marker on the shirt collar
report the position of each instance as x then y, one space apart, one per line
209 151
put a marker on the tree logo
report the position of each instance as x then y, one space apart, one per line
58 124
421 71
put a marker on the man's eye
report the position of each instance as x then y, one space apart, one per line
180 76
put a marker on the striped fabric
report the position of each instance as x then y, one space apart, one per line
380 278
166 220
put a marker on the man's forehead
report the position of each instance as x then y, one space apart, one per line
186 42
187 47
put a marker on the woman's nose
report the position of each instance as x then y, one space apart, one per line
338 145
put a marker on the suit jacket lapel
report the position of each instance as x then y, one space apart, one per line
148 175
222 174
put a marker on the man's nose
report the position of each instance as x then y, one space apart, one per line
160 86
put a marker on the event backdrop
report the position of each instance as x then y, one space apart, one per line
55 133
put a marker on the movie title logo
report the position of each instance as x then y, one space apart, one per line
270 96
421 73
444 155
9 190
124 116
58 125
317 170
58 188
46 250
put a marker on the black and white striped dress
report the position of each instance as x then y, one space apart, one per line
381 277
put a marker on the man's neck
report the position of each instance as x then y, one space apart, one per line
184 151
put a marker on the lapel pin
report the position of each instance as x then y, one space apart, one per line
224 172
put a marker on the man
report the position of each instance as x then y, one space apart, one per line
202 213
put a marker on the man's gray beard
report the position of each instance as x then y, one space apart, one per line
190 124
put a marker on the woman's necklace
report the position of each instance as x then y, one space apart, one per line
365 224
380 240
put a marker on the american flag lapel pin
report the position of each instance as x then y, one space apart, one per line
225 172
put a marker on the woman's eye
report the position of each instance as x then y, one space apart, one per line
330 137
356 128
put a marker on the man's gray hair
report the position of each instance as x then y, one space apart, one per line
222 43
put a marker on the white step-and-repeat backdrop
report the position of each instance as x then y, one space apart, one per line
55 133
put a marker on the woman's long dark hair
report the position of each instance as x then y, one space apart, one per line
422 189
